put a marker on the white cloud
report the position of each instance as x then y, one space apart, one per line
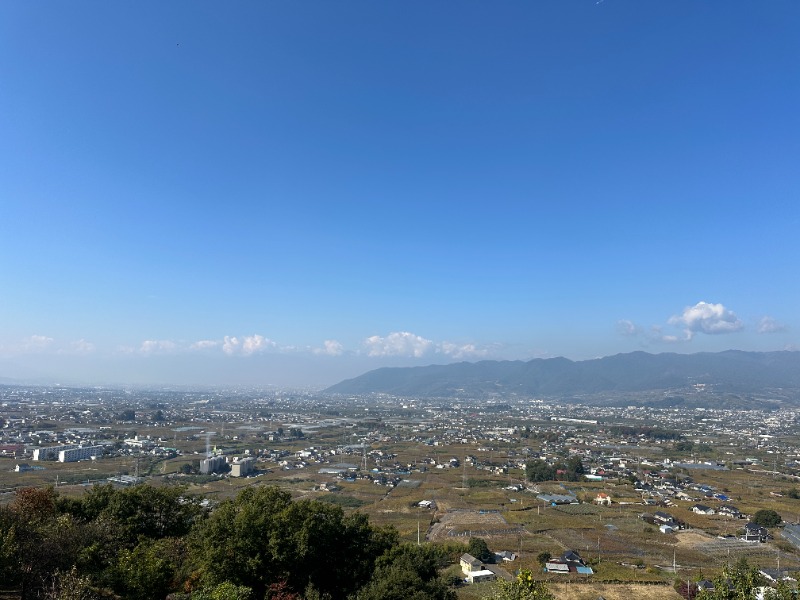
400 343
81 347
331 348
628 328
404 343
770 325
230 345
157 346
247 345
37 343
256 343
204 344
461 351
707 318
33 344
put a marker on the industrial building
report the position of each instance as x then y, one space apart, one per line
243 467
213 464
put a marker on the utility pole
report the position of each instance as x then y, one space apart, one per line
364 452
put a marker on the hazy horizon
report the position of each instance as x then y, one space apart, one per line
265 372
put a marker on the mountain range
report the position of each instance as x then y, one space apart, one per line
732 371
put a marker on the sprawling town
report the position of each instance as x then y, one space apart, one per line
590 499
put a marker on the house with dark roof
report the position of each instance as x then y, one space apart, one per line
775 575
755 533
505 556
469 563
664 518
729 510
702 509
569 562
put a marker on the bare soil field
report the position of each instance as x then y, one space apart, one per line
585 591
465 523
608 591
692 539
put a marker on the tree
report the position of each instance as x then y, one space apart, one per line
236 542
766 518
543 558
478 548
539 470
524 587
783 591
737 582
70 585
9 547
142 510
146 571
575 465
127 415
261 537
312 532
35 505
281 591
43 542
223 591
574 469
407 572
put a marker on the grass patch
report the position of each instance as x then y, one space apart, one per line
342 500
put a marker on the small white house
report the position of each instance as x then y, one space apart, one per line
479 576
702 509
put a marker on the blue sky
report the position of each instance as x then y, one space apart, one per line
296 192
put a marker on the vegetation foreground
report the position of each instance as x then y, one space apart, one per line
144 543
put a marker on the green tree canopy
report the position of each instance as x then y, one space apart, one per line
407 572
146 571
737 582
261 537
766 518
478 548
539 470
141 510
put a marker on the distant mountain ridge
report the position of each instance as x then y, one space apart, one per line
732 371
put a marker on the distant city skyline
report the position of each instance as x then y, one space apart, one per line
293 194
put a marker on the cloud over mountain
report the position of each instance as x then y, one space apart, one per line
708 318
770 325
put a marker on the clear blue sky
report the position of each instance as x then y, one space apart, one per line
296 192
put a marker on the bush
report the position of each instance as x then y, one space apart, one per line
767 518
